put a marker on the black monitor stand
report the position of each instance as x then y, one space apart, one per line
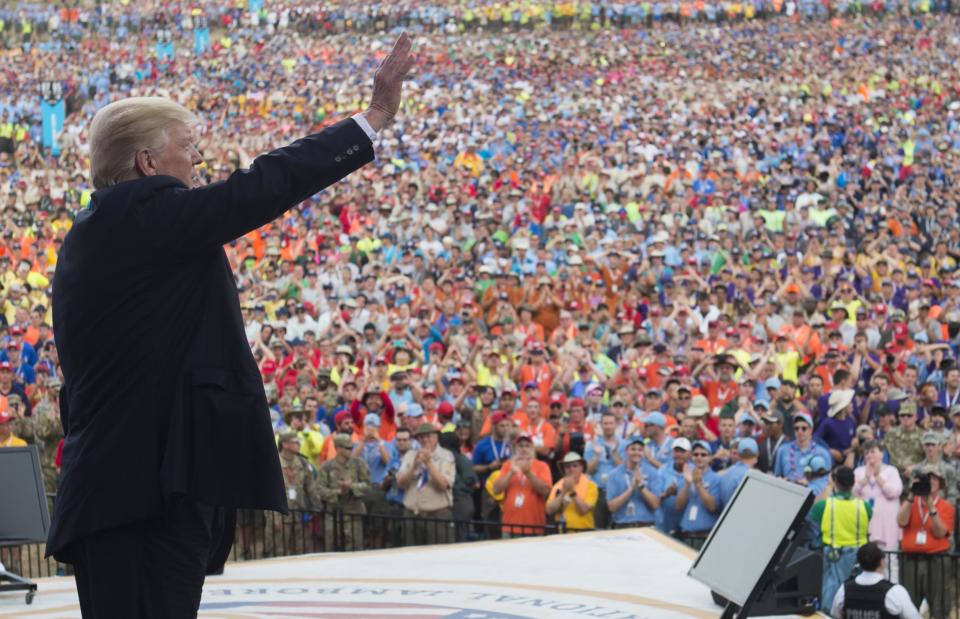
14 582
791 588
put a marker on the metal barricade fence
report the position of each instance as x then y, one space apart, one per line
930 577
262 534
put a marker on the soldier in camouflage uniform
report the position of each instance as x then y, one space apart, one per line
903 442
42 429
289 534
342 483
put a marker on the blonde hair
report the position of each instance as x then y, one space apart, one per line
124 127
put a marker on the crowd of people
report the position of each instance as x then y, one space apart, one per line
606 261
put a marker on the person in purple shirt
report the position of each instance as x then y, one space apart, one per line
838 428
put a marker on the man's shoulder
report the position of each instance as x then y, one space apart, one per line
133 191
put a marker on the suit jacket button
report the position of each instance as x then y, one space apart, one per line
338 158
356 147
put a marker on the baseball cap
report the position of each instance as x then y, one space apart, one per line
524 436
656 419
682 443
747 446
497 417
372 419
414 410
804 417
342 440
445 409
635 440
702 445
815 464
571 457
745 417
931 438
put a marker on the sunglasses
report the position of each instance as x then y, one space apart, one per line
801 427
902 415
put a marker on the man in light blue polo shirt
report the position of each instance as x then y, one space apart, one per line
793 456
603 454
699 499
748 451
671 483
659 443
633 489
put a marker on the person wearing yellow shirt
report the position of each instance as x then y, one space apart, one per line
573 498
7 437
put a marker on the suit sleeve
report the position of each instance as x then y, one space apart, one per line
185 221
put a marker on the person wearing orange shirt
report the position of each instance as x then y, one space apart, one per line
577 422
525 482
927 521
344 425
714 343
720 390
542 433
803 338
536 369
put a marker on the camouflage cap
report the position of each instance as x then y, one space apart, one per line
289 435
908 407
343 440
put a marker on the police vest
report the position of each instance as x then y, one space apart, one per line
866 601
844 523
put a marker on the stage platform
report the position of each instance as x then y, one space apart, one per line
622 574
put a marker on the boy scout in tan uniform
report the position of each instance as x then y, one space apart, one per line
342 483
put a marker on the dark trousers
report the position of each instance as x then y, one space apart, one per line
149 569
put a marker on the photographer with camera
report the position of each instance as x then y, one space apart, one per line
927 521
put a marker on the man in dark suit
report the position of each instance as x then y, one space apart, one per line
164 411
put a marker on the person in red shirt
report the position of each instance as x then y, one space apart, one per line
525 482
927 521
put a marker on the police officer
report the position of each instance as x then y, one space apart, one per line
290 532
342 483
870 595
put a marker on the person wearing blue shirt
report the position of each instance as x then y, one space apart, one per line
375 452
791 456
21 369
489 454
28 354
698 500
671 482
659 444
747 455
633 489
816 472
603 454
402 443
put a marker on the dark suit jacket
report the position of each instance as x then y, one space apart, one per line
161 392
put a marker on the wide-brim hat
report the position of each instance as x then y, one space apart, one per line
839 400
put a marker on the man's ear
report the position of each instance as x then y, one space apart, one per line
144 164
